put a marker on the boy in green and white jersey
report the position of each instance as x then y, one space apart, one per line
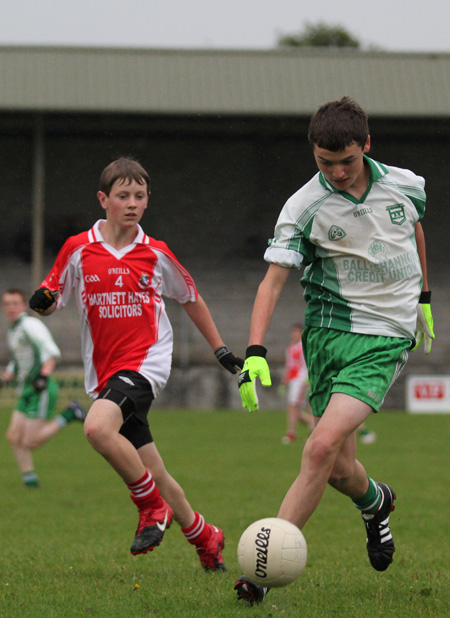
34 356
355 227
355 250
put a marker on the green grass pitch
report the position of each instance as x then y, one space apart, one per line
65 547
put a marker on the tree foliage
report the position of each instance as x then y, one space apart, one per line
320 35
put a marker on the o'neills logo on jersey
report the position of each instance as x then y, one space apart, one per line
262 550
144 280
118 271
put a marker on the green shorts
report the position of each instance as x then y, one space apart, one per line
39 405
362 366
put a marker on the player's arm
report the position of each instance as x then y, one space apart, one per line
255 365
43 301
40 383
41 338
63 278
7 375
266 300
48 367
421 250
201 317
425 325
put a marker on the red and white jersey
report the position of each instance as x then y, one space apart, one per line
295 367
124 324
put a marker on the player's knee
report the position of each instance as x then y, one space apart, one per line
13 437
31 442
320 449
95 432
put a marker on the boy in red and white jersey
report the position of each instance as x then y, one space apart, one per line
295 379
118 276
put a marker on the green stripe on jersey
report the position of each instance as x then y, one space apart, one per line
325 306
303 226
415 194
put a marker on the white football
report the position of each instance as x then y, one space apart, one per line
272 552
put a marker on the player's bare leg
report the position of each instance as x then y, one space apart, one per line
208 539
101 427
37 431
348 475
15 435
304 409
292 422
26 434
341 418
170 490
297 414
306 418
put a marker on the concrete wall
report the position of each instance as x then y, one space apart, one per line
197 380
218 185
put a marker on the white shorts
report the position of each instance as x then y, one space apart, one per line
297 391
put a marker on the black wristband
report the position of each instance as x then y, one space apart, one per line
40 383
256 350
425 298
221 351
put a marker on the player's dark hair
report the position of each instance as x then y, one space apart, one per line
17 291
125 169
338 124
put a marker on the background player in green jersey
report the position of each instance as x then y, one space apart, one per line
356 228
34 356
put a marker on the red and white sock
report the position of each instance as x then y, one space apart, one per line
144 492
198 532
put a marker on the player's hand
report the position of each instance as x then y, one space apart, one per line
424 327
42 299
40 383
228 360
255 366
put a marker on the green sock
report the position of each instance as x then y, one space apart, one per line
371 500
30 479
66 416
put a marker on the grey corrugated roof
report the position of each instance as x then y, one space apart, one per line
282 82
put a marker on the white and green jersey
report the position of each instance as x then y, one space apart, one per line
31 344
362 272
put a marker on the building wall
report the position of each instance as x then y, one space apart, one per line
217 183
217 187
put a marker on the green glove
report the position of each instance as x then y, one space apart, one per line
424 327
255 366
